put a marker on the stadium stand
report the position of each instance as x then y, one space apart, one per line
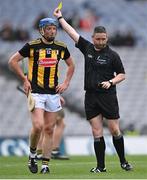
132 92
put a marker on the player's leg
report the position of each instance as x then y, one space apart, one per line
118 141
58 135
49 124
52 106
99 143
39 147
59 129
37 125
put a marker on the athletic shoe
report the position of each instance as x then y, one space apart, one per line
57 155
126 166
45 170
98 170
32 165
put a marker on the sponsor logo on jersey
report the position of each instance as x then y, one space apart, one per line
47 62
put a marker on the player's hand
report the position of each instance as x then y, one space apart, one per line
57 13
26 86
61 87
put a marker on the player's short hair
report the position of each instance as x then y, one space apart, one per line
99 29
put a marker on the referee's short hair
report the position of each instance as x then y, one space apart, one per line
99 29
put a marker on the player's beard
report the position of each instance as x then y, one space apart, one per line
49 39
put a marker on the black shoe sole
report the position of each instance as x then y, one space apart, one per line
34 171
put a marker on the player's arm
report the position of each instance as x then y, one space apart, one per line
14 65
70 70
67 27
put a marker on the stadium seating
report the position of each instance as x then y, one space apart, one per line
133 18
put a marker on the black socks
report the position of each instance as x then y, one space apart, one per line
118 142
99 147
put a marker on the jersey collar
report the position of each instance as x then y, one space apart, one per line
47 42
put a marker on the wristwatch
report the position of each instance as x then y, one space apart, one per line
111 82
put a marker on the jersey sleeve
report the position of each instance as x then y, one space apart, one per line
118 65
82 44
25 50
66 54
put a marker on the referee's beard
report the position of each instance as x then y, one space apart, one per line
100 46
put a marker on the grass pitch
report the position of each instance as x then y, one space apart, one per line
76 168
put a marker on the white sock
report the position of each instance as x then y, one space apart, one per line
44 166
33 155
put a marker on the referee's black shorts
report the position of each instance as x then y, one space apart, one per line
101 103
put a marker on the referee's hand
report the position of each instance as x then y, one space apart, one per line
57 13
105 84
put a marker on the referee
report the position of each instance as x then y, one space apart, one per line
103 70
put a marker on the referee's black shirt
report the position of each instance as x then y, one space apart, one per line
99 66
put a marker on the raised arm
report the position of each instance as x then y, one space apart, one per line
67 27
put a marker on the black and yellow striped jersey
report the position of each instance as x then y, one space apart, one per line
43 64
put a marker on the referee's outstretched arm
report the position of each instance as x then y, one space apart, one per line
67 27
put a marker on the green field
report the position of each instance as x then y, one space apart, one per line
76 168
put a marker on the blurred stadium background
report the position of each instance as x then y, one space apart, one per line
125 21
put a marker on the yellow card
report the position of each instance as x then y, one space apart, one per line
60 5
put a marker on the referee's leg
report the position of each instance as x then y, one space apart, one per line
118 141
99 143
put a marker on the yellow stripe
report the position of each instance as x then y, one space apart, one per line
40 75
62 54
30 65
60 43
52 75
52 70
37 41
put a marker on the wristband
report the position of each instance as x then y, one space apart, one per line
59 18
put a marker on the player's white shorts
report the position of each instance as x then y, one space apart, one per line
48 102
